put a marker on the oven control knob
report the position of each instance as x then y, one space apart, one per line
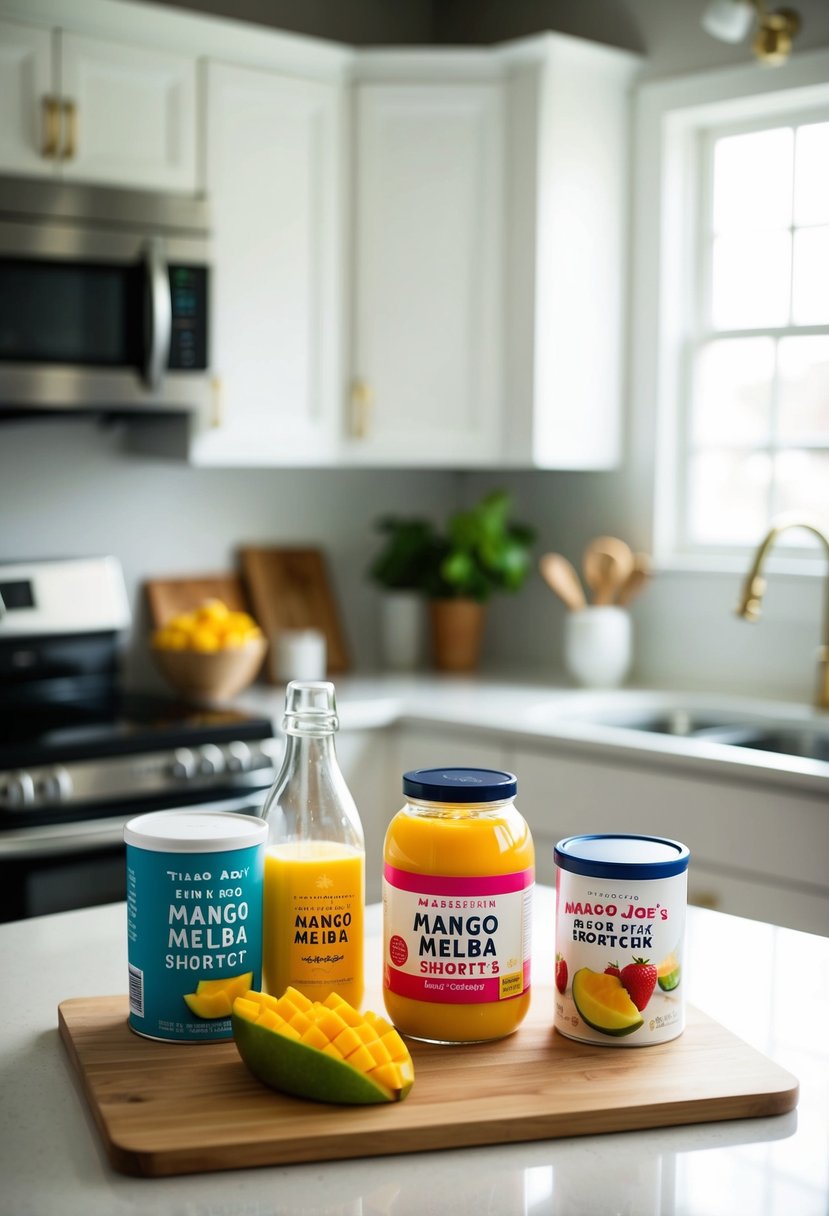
184 764
211 760
18 791
54 785
238 757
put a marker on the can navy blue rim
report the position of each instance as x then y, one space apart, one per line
593 867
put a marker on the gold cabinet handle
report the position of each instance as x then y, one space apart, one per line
69 112
51 127
217 405
362 402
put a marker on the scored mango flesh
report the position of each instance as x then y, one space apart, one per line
325 1050
214 998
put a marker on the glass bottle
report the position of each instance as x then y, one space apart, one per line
315 859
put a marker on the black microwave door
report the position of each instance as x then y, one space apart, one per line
80 314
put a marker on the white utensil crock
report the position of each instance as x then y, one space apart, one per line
598 646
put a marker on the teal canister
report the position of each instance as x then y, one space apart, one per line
194 920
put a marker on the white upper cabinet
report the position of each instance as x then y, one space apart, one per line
96 110
274 184
419 255
566 191
25 80
427 290
134 114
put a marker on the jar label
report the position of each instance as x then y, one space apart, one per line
456 940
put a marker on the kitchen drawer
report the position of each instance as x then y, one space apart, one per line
733 830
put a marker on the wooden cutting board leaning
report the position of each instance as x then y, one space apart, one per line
290 589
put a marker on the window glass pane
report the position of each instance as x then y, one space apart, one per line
803 370
810 286
753 181
729 496
803 486
811 181
732 391
750 280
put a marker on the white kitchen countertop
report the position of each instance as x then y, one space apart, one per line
768 985
540 713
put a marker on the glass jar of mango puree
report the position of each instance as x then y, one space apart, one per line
458 879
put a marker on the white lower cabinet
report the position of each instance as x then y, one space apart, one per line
736 832
756 851
364 757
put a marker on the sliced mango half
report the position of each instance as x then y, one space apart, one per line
603 1003
323 1050
214 998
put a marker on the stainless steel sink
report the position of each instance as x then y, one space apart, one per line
810 744
737 725
806 741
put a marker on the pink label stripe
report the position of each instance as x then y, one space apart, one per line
439 884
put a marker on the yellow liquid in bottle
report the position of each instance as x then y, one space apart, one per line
467 842
313 920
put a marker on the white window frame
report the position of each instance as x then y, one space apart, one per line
672 118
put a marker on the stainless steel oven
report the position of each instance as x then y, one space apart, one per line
79 756
104 299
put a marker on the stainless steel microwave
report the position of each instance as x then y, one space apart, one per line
103 299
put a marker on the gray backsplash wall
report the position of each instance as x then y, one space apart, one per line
67 488
686 633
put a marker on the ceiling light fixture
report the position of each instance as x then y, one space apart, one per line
731 20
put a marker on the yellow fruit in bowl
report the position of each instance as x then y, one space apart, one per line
209 627
210 653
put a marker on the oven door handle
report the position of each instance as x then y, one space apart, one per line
90 836
159 314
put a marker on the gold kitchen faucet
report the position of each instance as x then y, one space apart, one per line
755 585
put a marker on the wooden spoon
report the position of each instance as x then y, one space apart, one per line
636 580
607 563
560 575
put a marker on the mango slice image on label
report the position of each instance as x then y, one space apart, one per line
323 1050
603 1003
214 998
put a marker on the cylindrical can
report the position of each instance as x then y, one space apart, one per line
620 932
458 874
194 920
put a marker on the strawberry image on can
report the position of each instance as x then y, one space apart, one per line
620 928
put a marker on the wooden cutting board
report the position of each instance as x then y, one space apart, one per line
290 589
167 597
166 1108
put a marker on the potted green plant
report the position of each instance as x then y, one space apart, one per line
403 569
483 552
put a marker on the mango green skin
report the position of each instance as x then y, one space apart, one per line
306 1072
670 981
617 1032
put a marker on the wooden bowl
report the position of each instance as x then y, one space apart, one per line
215 675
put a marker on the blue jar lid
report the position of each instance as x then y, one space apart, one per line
618 855
460 784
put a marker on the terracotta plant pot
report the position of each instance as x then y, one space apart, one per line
457 632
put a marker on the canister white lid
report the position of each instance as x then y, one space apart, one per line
195 831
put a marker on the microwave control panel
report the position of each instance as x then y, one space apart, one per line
188 343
